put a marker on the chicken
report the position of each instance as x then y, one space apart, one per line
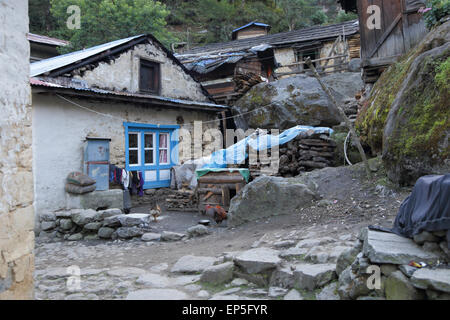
217 212
155 213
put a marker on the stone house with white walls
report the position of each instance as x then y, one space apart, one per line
16 177
131 92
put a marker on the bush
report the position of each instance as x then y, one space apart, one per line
435 11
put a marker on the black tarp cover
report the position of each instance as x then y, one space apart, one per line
426 209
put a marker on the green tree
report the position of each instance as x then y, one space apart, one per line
41 20
319 17
107 20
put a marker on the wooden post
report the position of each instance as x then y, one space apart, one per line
342 113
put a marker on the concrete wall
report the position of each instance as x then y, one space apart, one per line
16 178
60 128
123 74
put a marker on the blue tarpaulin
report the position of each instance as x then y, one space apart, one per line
236 154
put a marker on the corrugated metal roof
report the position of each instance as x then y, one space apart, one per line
279 39
47 65
259 24
42 83
46 40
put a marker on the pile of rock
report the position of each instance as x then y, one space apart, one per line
379 267
79 224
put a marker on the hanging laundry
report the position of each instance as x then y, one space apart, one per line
141 184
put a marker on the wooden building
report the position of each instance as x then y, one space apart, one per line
227 70
42 47
401 27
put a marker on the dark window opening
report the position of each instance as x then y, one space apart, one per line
149 77
313 54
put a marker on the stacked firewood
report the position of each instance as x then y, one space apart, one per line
244 82
304 153
181 200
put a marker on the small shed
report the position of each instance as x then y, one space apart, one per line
250 30
401 27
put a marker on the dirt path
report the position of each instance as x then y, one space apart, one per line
350 204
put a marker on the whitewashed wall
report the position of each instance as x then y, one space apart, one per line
123 74
16 178
60 129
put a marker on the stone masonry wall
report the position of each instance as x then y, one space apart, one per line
16 178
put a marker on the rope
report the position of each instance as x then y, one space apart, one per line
345 148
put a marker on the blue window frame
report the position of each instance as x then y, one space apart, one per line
152 150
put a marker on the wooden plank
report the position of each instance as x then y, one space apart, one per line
225 196
385 35
220 180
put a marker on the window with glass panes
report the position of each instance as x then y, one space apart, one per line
151 149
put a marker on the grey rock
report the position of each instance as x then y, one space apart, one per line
126 272
293 295
47 216
197 231
185 280
105 232
103 214
192 264
329 292
275 292
294 253
309 243
83 217
63 214
283 277
218 274
345 259
153 280
239 282
48 225
407 270
203 294
92 226
258 260
91 237
268 196
431 246
255 292
112 222
171 236
388 269
157 294
425 236
129 232
296 100
440 233
398 287
355 65
312 276
133 219
437 279
284 244
151 236
382 247
65 224
75 237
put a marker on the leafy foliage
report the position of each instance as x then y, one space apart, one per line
195 22
105 20
439 10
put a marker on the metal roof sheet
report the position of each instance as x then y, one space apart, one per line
259 24
33 37
42 83
43 66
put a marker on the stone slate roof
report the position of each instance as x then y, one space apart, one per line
281 39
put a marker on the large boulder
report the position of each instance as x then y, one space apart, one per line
296 100
192 264
258 260
268 196
407 115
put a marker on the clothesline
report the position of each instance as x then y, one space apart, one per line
184 125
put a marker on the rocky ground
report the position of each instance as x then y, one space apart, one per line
216 265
